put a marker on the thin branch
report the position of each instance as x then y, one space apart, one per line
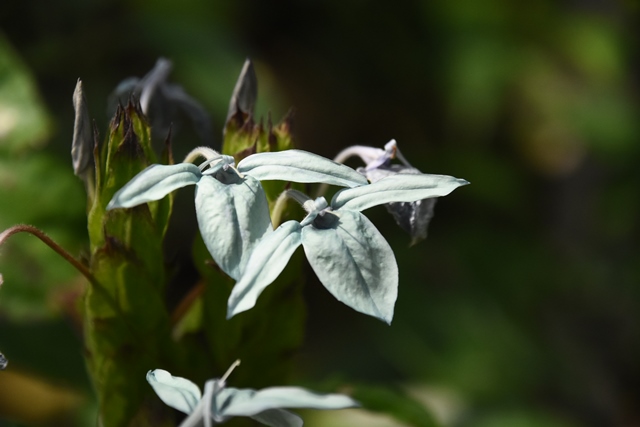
23 228
97 286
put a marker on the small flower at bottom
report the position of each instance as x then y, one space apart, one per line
220 403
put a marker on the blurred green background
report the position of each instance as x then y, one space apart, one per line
520 309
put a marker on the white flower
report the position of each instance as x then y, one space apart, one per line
219 403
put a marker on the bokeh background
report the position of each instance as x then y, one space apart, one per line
522 306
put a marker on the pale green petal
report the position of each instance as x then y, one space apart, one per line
154 183
395 188
299 166
232 402
232 219
355 263
179 393
268 260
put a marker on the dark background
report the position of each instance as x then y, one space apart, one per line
521 307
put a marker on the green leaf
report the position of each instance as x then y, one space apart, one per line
232 217
153 183
268 260
24 123
355 263
299 166
396 188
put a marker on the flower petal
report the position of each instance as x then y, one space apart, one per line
355 263
179 393
268 260
396 188
232 218
299 166
247 402
154 183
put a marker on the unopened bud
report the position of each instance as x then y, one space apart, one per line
82 145
245 92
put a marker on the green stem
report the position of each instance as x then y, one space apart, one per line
281 203
278 208
233 366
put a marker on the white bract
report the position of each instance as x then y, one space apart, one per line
346 251
231 207
219 403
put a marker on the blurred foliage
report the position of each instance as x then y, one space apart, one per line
26 187
522 306
24 122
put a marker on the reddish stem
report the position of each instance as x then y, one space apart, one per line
23 228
